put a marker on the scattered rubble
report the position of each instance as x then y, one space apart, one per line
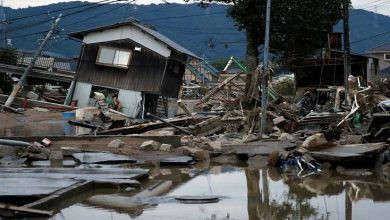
315 141
301 138
117 143
150 145
166 147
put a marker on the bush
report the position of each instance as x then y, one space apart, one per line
285 87
8 56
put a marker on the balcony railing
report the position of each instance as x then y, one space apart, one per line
51 64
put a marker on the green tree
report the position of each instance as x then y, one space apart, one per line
298 28
8 56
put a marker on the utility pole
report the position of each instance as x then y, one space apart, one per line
3 23
264 76
22 79
347 51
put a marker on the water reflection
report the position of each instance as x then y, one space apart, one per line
261 194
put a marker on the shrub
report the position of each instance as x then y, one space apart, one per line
284 87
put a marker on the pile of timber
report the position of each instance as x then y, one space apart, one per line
319 118
140 128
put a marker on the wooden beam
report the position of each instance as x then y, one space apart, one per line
30 211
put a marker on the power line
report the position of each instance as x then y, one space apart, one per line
365 9
67 25
60 10
162 18
184 16
67 15
373 36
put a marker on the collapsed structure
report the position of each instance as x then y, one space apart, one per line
134 63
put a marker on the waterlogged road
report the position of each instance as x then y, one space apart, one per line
259 194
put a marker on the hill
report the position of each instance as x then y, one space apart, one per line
207 32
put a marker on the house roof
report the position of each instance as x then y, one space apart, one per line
385 47
171 44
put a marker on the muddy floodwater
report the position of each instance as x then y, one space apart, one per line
256 194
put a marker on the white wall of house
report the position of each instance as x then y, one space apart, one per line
128 32
383 64
81 94
371 73
130 100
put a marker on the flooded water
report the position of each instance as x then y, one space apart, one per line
257 194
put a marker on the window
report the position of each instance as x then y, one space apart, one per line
387 56
109 56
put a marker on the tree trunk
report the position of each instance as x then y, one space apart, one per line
252 54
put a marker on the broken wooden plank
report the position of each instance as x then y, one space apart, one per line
168 123
215 90
18 101
73 173
356 148
20 185
263 148
140 128
47 163
180 160
350 153
84 124
98 157
26 212
61 194
207 127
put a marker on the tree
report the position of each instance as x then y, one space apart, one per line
298 28
8 56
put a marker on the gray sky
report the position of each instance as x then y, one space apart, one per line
379 6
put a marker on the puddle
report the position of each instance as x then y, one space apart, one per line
258 194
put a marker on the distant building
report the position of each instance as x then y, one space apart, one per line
133 63
327 68
382 53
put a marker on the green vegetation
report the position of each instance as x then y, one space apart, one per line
298 28
8 56
284 87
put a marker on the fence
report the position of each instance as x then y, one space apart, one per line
52 64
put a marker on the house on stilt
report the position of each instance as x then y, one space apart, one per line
130 62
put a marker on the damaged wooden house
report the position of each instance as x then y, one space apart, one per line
326 67
137 69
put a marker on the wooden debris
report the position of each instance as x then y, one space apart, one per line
353 154
26 212
207 127
140 128
99 157
181 160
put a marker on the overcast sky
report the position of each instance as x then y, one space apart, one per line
379 6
